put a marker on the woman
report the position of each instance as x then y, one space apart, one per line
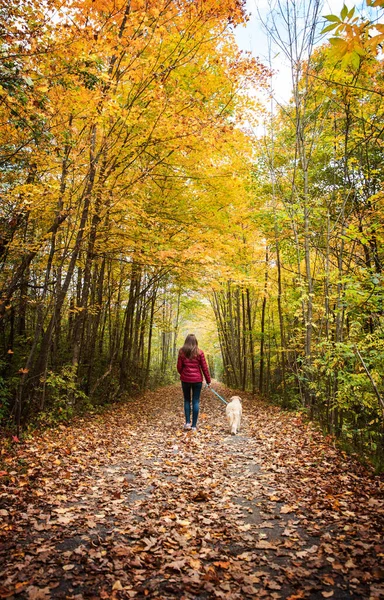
191 365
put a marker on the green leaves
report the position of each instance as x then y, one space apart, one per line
344 12
329 28
332 18
362 36
345 15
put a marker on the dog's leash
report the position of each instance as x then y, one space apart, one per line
216 394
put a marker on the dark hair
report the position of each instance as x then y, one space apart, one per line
191 347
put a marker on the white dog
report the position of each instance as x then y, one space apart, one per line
234 411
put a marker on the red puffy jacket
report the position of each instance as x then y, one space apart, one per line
191 369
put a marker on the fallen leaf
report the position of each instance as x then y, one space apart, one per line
287 509
250 590
176 564
35 593
222 564
117 586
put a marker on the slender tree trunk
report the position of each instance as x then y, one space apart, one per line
244 340
262 323
251 345
41 365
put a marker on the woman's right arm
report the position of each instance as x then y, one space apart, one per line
205 368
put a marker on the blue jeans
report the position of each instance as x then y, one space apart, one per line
195 389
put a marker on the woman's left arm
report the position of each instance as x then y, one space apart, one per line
179 363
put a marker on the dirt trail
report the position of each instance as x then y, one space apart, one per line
127 505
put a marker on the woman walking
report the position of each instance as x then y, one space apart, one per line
191 365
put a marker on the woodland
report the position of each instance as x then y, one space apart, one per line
152 186
136 200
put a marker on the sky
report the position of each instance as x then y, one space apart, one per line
253 38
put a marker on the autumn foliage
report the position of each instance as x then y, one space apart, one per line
304 323
122 151
135 199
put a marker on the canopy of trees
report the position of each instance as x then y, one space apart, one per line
121 163
129 176
310 330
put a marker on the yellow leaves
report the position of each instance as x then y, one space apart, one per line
76 309
340 44
117 586
42 88
356 37
169 160
163 255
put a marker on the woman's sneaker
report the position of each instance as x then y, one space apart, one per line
194 428
188 426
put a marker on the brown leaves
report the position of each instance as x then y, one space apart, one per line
201 496
36 593
143 514
177 564
287 509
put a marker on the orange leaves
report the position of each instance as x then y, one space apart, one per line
222 564
124 120
357 37
153 533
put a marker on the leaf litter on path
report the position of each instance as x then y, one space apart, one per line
128 505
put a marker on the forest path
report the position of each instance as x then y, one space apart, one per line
127 505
